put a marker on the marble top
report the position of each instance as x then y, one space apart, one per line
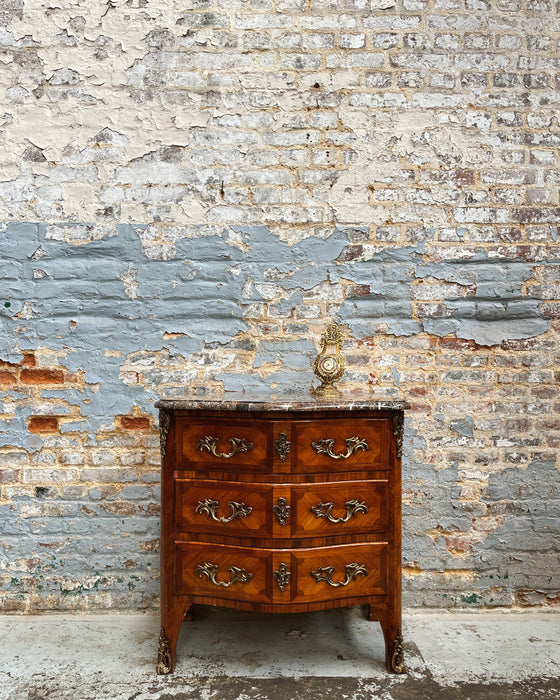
296 401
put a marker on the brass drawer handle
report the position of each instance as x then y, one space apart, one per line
282 576
281 510
211 444
324 510
326 445
209 507
211 571
352 571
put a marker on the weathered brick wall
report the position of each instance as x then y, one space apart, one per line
191 191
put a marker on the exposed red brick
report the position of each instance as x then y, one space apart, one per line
42 424
548 424
458 344
430 310
418 391
510 234
149 545
521 598
532 215
135 423
351 252
545 392
524 344
357 290
119 507
41 376
28 360
550 309
459 177
7 378
463 177
420 408
13 605
9 476
70 378
458 544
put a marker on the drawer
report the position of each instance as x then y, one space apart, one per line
223 507
223 571
299 446
228 444
341 508
296 576
344 571
340 445
281 510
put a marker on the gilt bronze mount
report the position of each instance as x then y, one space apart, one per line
329 363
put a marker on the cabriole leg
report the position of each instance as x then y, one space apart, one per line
169 633
392 632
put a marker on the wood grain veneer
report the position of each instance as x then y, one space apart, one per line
281 508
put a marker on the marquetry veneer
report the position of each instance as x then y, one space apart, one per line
281 506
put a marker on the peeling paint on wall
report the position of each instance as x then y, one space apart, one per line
190 194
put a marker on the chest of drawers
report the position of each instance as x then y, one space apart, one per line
281 506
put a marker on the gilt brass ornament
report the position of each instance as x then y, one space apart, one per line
398 431
282 576
329 363
210 570
164 663
282 446
353 507
281 510
397 660
164 423
326 446
209 508
352 571
210 443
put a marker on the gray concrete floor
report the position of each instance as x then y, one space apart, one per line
229 655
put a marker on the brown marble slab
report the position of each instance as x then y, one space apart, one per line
297 401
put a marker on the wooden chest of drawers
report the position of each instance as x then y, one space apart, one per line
281 506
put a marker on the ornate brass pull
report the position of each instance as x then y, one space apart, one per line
352 571
209 507
211 444
282 446
281 511
211 571
324 510
282 576
326 445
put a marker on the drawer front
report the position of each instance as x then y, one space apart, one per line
342 508
345 571
226 444
295 576
223 571
340 445
223 507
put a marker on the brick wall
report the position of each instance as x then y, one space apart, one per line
191 191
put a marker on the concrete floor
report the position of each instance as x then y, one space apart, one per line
228 655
